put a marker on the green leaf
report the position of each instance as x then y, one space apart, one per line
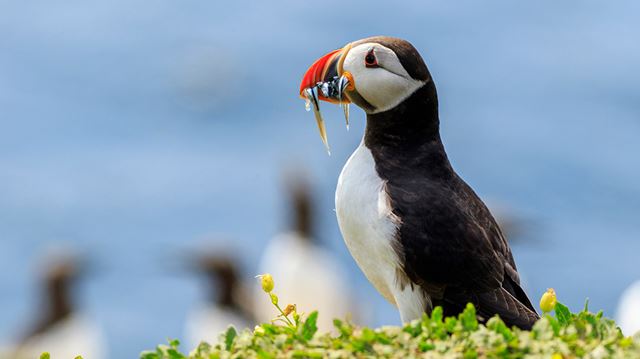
368 335
436 314
555 325
310 328
45 355
450 324
174 343
497 325
265 355
424 346
306 354
147 354
413 329
229 336
470 354
344 328
562 314
175 354
468 318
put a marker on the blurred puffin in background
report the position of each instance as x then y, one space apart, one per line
223 306
61 329
419 233
628 312
305 274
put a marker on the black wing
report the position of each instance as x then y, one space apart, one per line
453 247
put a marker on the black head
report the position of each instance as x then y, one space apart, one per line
222 273
57 294
382 72
301 204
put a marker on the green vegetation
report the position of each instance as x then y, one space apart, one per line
565 335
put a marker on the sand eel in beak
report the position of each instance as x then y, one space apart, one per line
326 81
419 233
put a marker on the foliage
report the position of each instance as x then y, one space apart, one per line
565 335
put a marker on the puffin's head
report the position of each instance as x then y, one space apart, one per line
375 73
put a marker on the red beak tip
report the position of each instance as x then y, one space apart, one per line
316 71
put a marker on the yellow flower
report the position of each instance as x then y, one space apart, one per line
288 309
556 356
267 282
548 300
258 330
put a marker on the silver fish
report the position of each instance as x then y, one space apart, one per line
343 82
312 96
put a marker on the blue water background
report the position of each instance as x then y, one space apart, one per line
134 130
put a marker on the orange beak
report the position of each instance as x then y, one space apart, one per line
326 80
326 69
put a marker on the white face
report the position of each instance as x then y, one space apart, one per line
385 84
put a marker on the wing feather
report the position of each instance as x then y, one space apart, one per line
450 240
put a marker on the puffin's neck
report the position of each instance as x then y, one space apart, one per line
407 137
224 292
59 299
58 306
410 124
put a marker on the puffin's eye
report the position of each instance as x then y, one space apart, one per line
370 60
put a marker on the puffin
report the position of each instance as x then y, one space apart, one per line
62 329
306 274
418 232
223 306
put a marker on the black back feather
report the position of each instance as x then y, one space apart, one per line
450 243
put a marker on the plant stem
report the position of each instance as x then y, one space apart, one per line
285 317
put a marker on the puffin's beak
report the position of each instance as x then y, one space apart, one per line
326 80
323 72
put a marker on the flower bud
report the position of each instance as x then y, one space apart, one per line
274 298
267 282
288 309
548 300
258 330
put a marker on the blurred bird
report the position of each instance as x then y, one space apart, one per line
305 274
419 233
628 313
61 330
223 306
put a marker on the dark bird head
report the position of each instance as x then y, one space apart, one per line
301 205
58 282
222 274
378 74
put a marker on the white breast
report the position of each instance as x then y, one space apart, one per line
368 227
629 310
206 322
292 260
73 336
